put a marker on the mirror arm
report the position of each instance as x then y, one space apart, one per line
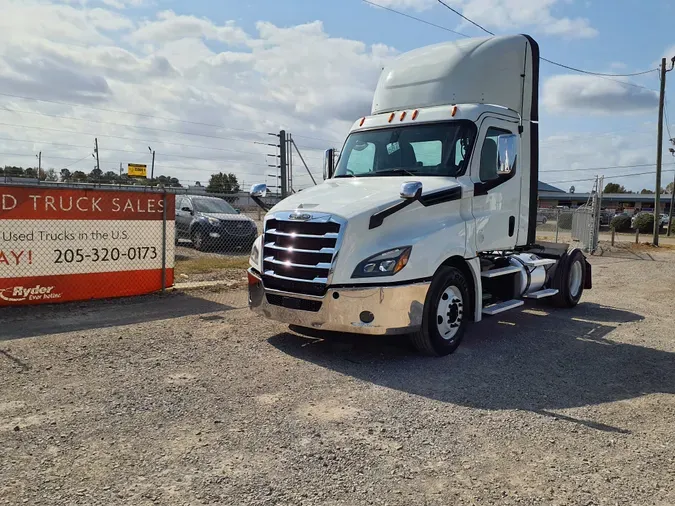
260 203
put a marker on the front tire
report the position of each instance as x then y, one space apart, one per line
445 314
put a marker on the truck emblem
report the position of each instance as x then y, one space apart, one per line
299 216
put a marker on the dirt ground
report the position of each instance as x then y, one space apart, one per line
189 399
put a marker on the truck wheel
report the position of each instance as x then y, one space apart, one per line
569 279
444 320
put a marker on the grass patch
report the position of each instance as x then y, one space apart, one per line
203 265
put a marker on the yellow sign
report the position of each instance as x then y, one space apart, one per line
137 170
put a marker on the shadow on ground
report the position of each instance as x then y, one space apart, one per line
528 360
35 321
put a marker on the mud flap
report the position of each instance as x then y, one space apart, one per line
588 282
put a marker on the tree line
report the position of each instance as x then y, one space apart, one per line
218 183
619 188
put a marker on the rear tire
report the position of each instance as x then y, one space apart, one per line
569 279
444 319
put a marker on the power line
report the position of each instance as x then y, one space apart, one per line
142 115
568 67
614 167
413 17
126 125
127 138
599 74
464 17
147 128
620 176
588 72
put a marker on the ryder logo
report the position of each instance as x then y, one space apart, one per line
22 293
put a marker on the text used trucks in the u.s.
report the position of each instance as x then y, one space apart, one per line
427 220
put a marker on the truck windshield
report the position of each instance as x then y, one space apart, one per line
437 149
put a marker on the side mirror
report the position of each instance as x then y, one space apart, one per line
259 190
507 153
411 189
328 163
238 211
186 209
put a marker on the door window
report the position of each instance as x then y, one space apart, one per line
488 154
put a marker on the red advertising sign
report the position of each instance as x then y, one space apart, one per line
62 245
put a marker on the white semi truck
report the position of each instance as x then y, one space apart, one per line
427 220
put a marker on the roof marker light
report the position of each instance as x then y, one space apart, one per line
414 114
362 121
454 110
403 115
391 117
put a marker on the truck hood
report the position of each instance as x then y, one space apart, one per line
349 197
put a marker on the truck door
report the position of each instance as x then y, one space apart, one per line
496 198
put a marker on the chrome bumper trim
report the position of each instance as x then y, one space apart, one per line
396 309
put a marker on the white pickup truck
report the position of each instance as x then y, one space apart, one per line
427 220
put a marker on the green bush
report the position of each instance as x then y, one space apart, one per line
645 223
565 221
620 223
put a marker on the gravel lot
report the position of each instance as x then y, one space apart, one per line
189 399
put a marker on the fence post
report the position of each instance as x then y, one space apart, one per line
164 242
613 233
637 236
557 223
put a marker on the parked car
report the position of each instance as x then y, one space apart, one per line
635 216
541 219
210 222
664 220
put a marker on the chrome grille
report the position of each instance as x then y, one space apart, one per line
298 255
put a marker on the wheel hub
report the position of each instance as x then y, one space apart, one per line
450 312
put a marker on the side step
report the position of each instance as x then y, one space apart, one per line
548 292
502 306
500 272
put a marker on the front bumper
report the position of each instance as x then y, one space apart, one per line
393 309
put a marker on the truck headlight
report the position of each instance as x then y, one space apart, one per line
213 221
386 263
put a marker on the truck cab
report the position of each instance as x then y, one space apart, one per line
427 220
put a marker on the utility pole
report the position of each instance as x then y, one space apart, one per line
672 195
659 150
39 157
283 162
152 167
289 152
98 164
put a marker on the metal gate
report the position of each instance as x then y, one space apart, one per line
586 220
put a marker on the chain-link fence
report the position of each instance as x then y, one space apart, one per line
67 243
70 242
555 225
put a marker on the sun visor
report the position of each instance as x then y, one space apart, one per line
494 70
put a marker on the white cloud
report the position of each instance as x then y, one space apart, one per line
591 94
169 27
507 15
298 78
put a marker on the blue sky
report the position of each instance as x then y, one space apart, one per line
310 66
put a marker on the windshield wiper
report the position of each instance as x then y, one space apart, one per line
344 175
397 170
